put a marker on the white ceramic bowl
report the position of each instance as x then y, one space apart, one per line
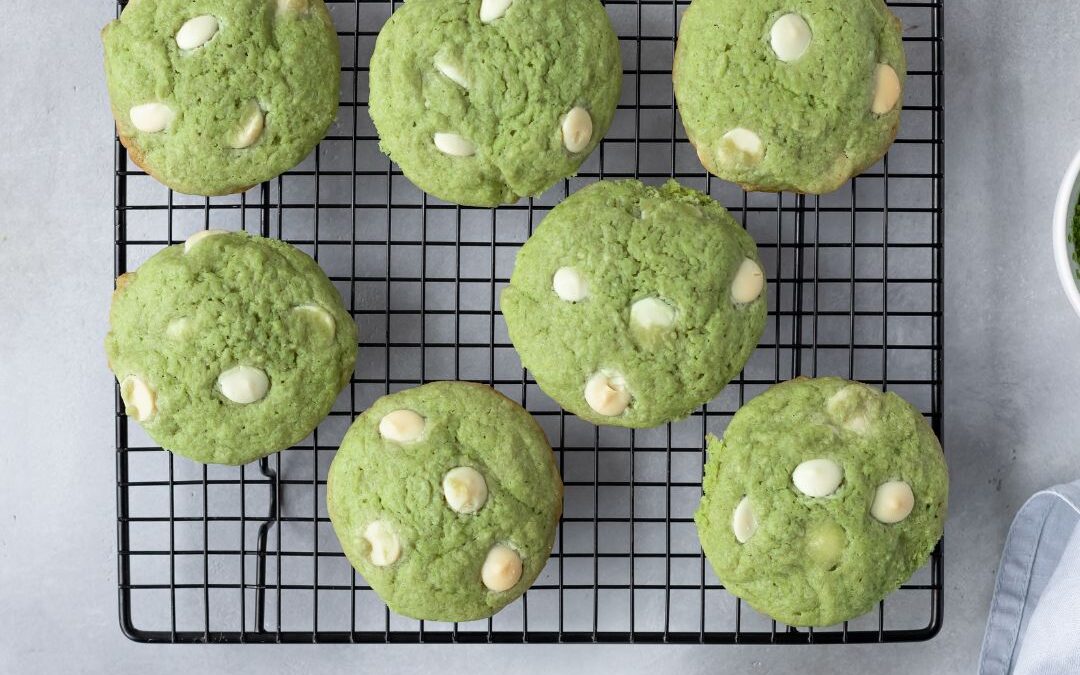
1063 217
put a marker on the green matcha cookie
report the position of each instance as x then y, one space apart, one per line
213 97
229 347
445 498
484 101
823 497
633 305
795 95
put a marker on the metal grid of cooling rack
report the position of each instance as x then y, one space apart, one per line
246 554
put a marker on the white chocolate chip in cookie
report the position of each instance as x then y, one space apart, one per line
606 393
577 129
251 127
825 544
857 423
319 317
178 329
853 406
140 399
493 9
893 502
465 489
196 32
790 37
569 285
384 543
886 89
454 145
150 118
452 71
652 313
743 521
741 146
402 426
243 384
502 568
297 6
817 477
198 237
748 284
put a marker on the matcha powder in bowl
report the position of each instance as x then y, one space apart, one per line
1066 233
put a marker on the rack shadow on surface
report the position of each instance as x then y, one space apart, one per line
247 554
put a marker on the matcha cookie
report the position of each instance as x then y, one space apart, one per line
213 97
445 498
229 347
633 305
823 497
484 101
789 95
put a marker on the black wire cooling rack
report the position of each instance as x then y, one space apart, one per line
247 554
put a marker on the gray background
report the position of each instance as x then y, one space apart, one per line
1013 102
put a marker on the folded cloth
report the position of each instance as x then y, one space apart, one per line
1034 624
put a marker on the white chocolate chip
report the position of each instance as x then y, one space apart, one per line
577 129
196 238
140 399
493 9
251 129
748 284
569 285
825 544
465 489
893 502
298 6
817 477
178 329
607 394
384 542
196 32
743 521
857 423
886 89
790 37
741 146
844 398
150 118
451 71
502 568
853 406
243 384
319 316
650 313
402 426
454 145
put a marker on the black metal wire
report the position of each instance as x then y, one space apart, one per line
286 580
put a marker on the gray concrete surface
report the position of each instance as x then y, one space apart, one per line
1012 374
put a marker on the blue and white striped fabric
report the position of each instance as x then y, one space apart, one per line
1034 625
